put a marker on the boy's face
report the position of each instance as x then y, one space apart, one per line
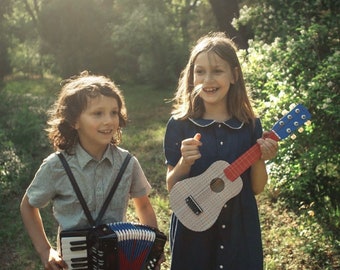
97 124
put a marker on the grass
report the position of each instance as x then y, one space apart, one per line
291 240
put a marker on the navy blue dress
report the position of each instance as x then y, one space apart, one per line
234 241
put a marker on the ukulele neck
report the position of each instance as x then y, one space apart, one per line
234 170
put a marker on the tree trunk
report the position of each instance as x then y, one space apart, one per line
225 11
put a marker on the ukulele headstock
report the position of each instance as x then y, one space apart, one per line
292 121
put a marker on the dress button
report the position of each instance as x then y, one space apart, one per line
225 206
219 125
221 266
221 247
221 143
223 226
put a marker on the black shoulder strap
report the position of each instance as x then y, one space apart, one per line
80 196
113 189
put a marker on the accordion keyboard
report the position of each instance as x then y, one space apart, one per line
74 251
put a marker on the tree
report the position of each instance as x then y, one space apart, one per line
225 12
5 67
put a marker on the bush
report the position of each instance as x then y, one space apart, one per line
299 64
22 140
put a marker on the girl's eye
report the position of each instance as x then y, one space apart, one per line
199 71
114 112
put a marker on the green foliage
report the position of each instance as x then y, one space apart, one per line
146 41
76 34
5 68
22 140
296 61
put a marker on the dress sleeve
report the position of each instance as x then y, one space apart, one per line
172 142
258 130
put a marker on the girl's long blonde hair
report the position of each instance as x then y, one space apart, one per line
187 102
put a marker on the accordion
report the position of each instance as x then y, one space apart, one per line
113 246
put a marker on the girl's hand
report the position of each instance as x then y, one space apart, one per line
269 147
52 261
189 149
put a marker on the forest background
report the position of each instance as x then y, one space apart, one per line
290 53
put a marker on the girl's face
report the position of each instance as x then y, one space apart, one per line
214 75
97 124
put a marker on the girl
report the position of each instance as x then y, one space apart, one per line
213 120
85 126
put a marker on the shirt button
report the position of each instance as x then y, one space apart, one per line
219 125
221 143
225 206
221 247
223 226
221 266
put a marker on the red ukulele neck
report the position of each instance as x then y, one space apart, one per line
241 164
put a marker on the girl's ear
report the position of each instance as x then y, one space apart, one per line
236 74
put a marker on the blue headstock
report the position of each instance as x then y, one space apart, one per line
291 122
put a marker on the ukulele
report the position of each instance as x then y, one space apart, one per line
197 201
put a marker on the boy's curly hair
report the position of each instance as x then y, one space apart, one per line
73 100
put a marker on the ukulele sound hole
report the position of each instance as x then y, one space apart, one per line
217 185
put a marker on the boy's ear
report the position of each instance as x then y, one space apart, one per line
75 125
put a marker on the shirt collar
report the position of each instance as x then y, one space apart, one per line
231 123
84 158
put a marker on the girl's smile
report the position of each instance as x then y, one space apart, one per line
210 90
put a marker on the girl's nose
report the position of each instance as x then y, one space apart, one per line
208 77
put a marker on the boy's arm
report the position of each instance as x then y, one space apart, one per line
34 226
145 212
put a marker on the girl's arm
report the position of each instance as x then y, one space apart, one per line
34 226
145 212
259 175
190 153
177 173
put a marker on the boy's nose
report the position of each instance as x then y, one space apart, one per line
108 118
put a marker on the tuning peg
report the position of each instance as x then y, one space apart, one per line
284 112
292 106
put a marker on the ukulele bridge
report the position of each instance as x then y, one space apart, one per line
193 205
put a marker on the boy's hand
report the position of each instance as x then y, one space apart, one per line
52 261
